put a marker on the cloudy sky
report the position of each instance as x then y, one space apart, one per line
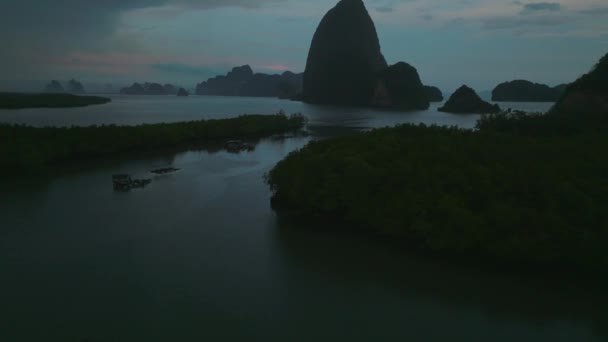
451 42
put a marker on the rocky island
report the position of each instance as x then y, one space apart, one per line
54 86
242 81
345 65
466 100
182 92
526 91
399 86
434 94
149 89
75 87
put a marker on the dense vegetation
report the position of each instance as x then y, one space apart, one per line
21 101
522 188
23 145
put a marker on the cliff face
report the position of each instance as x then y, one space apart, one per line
588 94
526 91
399 86
466 100
344 57
241 81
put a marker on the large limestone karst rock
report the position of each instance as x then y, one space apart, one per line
344 57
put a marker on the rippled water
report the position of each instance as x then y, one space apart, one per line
200 256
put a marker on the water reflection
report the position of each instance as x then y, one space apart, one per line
528 308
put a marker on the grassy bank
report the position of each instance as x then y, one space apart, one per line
22 101
521 189
27 146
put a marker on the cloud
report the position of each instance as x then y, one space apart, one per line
523 22
427 17
595 11
384 9
536 7
36 28
184 69
274 67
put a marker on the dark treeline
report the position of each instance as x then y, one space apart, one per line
21 101
535 198
25 146
526 189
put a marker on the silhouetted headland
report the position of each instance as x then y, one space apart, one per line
588 94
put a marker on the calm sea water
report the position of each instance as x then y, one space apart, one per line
200 256
133 110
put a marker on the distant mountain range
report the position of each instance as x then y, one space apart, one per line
242 81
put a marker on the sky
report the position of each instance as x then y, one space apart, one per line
451 42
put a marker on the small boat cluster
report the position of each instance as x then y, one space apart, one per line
164 171
124 182
236 146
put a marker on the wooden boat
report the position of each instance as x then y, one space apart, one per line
124 182
238 146
164 171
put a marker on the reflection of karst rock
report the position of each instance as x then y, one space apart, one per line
466 100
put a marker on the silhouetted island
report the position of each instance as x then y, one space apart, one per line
433 94
466 100
149 89
75 87
526 91
241 81
182 92
588 94
345 64
54 87
56 100
399 86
